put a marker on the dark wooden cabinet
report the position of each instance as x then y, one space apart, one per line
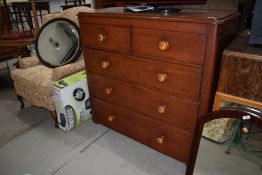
151 75
241 72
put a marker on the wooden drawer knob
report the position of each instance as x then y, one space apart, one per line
104 64
108 91
101 37
111 118
245 130
163 45
161 109
162 77
160 139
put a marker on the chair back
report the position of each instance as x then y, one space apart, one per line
75 2
5 23
69 14
21 14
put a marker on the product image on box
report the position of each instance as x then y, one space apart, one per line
72 101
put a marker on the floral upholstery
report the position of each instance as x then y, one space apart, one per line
33 80
48 17
37 77
28 62
67 14
63 71
34 85
219 130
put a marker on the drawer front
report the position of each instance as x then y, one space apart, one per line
170 46
153 104
106 37
170 78
168 140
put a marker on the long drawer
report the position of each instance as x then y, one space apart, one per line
171 78
170 46
153 104
168 140
106 37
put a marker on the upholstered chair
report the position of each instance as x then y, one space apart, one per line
33 80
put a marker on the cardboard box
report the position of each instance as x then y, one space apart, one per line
72 100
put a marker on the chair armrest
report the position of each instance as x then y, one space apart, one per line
28 62
66 70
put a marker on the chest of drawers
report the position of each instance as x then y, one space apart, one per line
152 75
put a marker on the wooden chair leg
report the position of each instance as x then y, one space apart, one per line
8 66
20 98
54 116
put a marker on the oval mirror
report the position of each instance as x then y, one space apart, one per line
58 42
229 146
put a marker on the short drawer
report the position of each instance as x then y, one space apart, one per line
171 78
168 140
170 46
156 105
106 37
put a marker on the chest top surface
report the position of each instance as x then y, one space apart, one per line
187 15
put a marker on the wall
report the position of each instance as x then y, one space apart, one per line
217 4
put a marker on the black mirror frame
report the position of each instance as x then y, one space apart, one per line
78 53
225 112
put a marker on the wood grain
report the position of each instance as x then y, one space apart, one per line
241 77
146 101
156 96
117 38
220 97
183 47
177 143
181 80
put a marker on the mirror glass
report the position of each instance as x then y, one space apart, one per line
229 146
58 42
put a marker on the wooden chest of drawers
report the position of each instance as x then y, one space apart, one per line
152 75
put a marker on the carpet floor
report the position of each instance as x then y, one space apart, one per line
13 120
29 144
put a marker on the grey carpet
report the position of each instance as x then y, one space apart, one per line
31 144
14 121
